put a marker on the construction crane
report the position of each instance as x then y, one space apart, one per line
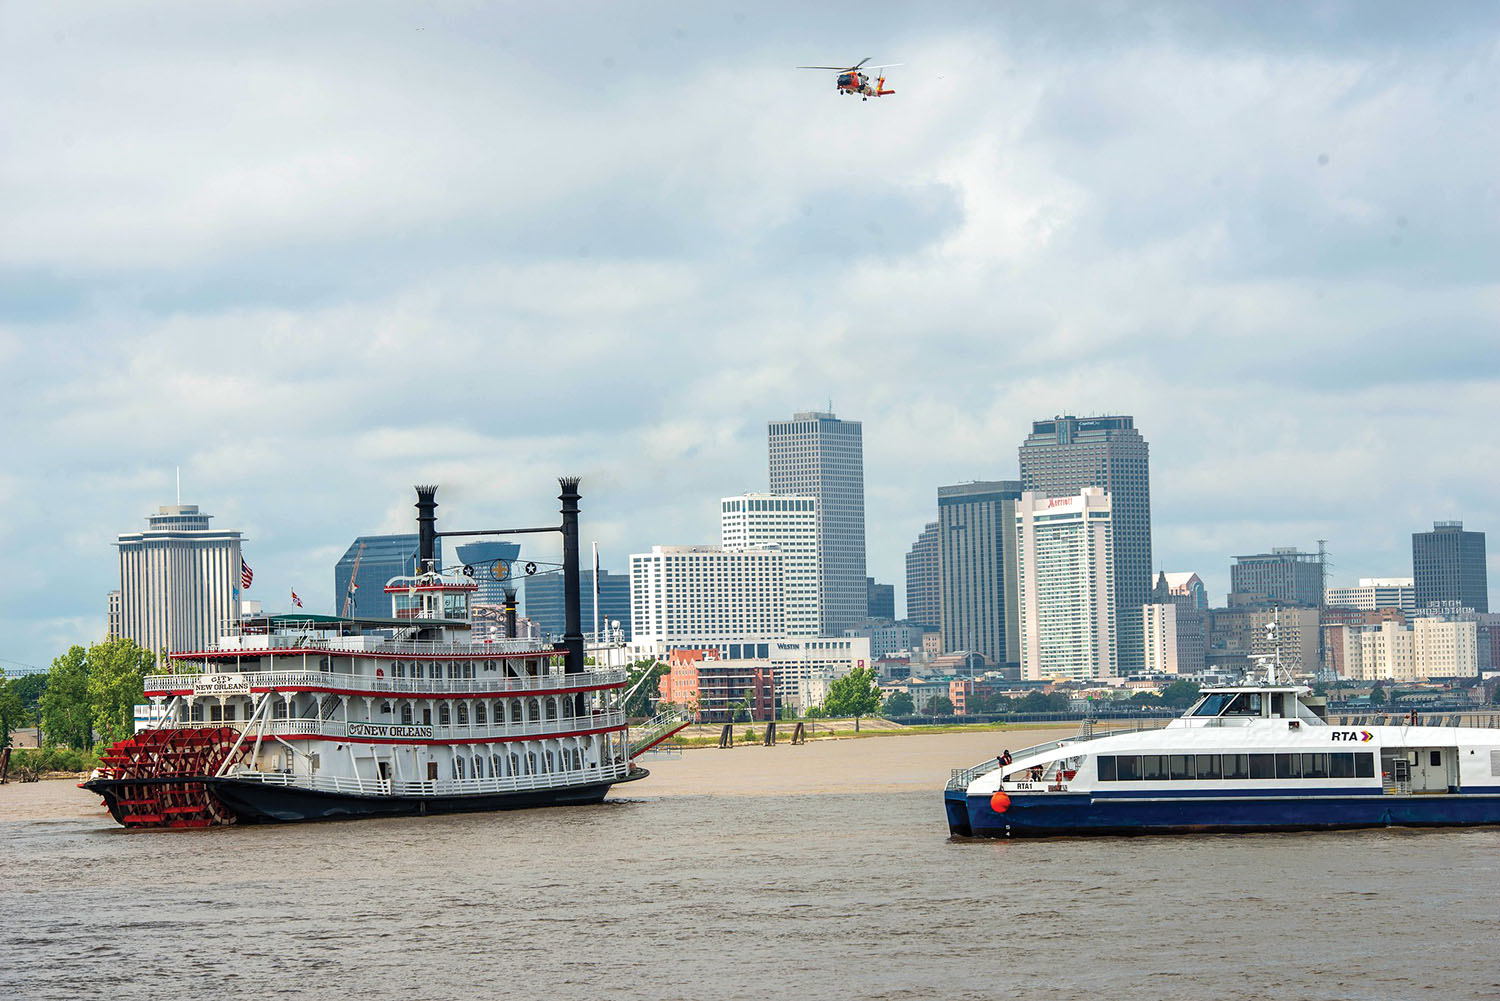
353 583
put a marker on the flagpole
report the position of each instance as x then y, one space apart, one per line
596 592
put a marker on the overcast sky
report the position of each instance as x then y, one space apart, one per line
314 254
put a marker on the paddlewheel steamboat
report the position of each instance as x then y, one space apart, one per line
305 717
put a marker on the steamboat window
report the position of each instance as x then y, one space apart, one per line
406 714
463 714
1364 765
385 707
444 717
1262 766
1180 766
1341 765
1236 766
417 671
495 765
1208 766
1128 766
1288 766
427 716
489 665
1154 767
1107 771
480 716
458 767
398 669
478 767
1315 766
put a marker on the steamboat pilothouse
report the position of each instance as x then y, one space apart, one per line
305 717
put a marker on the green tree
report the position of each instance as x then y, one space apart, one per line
1038 702
855 694
639 703
900 704
1180 694
1377 696
116 669
30 687
939 705
67 717
12 710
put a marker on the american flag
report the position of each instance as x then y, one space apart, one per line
246 574
296 600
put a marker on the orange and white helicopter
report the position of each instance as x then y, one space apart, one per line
851 81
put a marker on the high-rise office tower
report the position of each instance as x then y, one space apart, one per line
1065 563
1376 592
1448 569
923 583
881 603
493 564
685 596
1283 576
380 557
1066 454
546 608
179 580
977 569
817 455
790 524
116 624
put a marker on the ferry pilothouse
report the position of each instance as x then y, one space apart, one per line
1251 757
304 717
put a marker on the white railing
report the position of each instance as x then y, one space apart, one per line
165 684
612 772
961 777
657 729
305 727
259 643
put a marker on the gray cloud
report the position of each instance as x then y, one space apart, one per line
316 255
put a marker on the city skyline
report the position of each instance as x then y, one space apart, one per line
1215 220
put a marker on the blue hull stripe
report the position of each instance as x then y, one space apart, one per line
1082 813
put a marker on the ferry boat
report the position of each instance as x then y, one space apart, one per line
307 717
1248 757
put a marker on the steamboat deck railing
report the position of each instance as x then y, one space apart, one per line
557 780
160 685
611 719
258 644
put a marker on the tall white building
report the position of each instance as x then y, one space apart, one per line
689 597
179 581
1377 592
1065 567
789 524
1159 632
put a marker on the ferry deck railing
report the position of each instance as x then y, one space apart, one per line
961 777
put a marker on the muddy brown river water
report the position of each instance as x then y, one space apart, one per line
822 871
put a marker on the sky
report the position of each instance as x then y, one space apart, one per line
312 254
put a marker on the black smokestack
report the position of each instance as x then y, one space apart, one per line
426 527
510 613
572 607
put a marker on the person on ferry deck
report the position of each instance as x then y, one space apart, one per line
1004 758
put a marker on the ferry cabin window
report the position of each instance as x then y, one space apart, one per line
1211 705
1135 768
456 606
1245 704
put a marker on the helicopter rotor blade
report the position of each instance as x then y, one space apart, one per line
837 69
862 62
884 66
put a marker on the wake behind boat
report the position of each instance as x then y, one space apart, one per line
1249 757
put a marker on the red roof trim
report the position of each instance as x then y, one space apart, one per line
194 654
511 693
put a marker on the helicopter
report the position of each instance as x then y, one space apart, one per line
851 81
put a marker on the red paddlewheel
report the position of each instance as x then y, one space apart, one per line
170 754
